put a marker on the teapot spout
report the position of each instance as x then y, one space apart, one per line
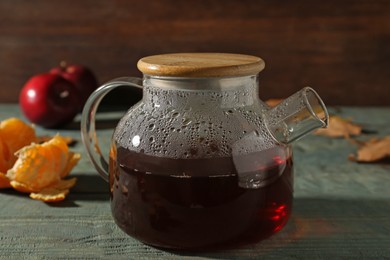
297 116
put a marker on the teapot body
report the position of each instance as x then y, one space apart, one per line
201 162
192 165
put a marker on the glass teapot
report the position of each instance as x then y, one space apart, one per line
201 161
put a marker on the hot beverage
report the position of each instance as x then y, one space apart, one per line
194 203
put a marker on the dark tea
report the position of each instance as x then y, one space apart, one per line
196 203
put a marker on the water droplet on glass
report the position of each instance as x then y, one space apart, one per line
136 141
229 112
175 114
170 109
186 121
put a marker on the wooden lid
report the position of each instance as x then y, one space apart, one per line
200 65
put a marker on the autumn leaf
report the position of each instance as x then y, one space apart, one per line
372 150
339 127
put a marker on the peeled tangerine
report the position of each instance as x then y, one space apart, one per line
14 134
38 169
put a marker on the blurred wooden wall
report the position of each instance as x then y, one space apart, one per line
341 48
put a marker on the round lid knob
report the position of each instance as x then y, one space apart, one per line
201 65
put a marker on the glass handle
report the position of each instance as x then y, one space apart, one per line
88 129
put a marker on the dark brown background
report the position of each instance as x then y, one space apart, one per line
341 48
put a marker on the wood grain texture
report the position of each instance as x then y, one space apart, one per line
318 229
341 208
340 48
201 65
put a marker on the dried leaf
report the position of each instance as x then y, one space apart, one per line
339 127
373 150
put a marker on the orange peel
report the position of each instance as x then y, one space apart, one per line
35 165
4 181
14 134
340 127
4 154
40 168
55 193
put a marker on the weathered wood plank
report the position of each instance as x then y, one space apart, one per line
338 47
318 229
341 209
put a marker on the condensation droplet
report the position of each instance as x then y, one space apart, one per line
175 114
186 121
136 140
229 112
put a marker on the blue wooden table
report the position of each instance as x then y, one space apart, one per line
341 208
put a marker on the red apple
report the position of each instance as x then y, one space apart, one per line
49 100
80 76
